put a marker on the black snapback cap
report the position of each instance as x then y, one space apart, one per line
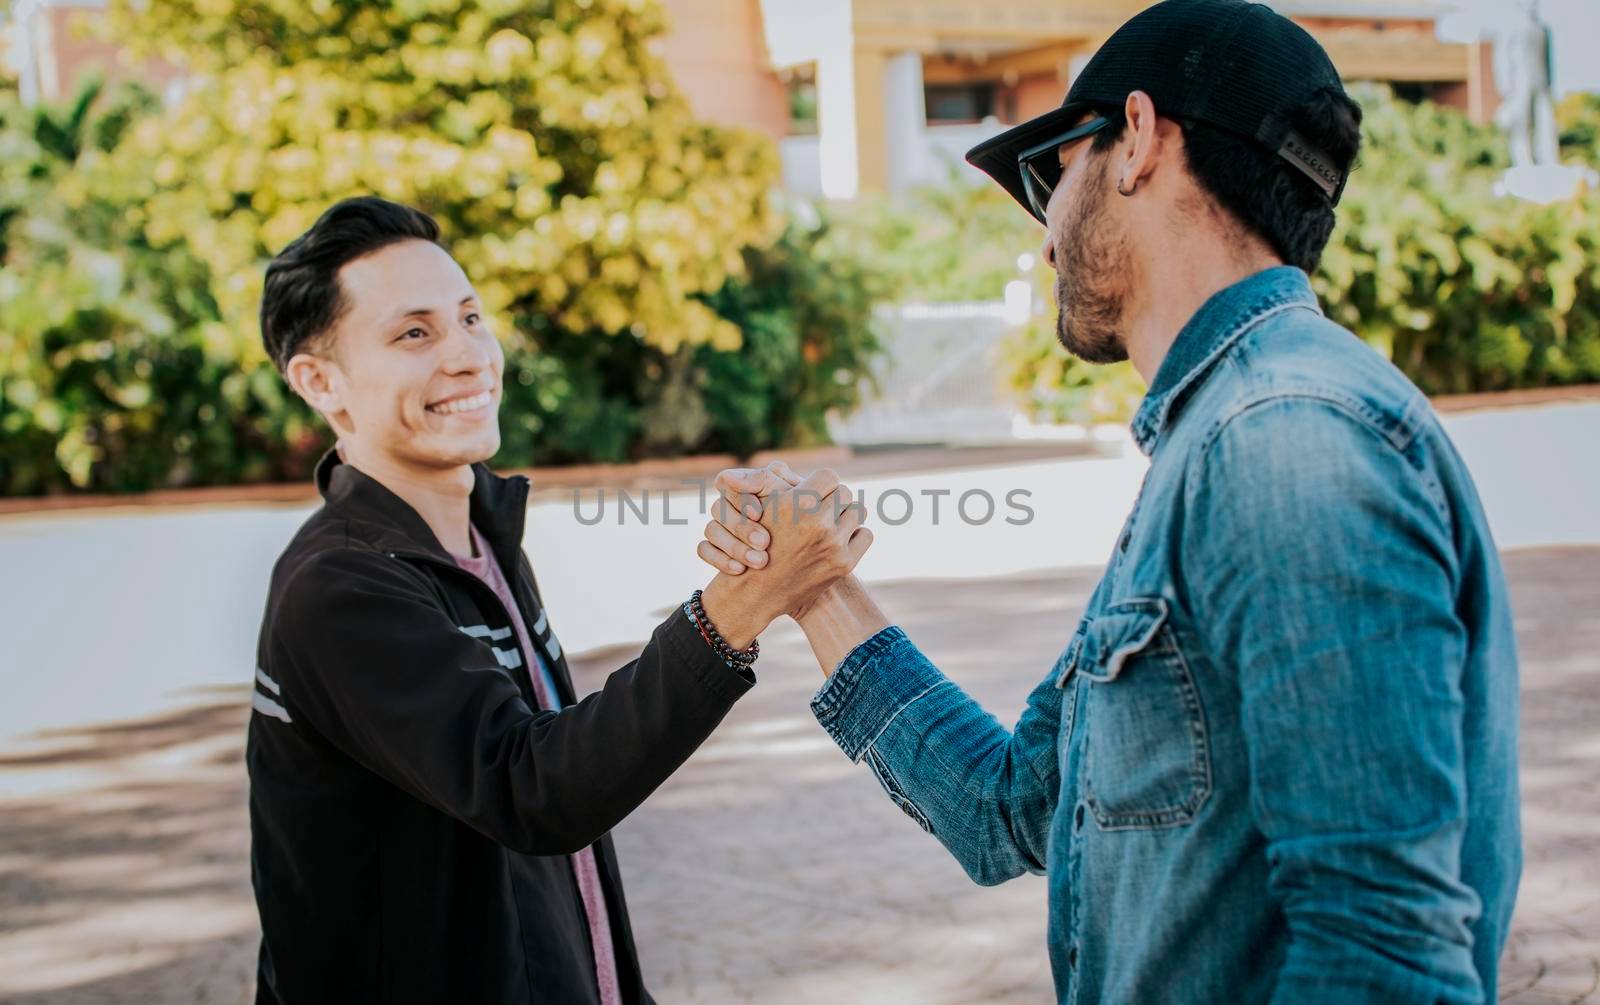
1239 66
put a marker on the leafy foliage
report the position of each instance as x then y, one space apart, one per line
613 236
569 175
807 315
955 241
1466 290
114 368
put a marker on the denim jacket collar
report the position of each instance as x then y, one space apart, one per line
1207 335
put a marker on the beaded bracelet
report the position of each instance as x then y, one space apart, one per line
736 659
708 631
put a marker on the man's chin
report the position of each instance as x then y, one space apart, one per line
460 454
1100 349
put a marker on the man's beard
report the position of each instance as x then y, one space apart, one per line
1092 276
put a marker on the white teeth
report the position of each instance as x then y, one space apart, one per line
463 404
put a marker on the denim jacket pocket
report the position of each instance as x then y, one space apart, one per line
1147 758
1068 663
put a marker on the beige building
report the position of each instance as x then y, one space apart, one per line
882 94
904 87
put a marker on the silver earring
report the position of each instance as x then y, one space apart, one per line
1123 193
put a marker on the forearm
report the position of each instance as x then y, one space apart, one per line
591 765
842 618
987 794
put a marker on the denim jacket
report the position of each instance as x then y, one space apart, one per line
1277 758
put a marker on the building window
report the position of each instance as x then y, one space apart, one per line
802 88
959 102
1412 92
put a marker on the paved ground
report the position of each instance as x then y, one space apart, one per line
768 870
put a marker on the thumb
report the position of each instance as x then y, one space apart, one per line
744 481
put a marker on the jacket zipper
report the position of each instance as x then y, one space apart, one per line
572 873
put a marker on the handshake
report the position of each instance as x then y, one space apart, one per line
779 542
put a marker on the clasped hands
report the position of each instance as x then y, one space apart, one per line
778 542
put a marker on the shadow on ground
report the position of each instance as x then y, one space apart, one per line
124 873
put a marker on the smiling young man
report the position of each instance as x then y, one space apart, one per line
1277 759
429 798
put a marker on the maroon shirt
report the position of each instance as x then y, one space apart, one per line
584 866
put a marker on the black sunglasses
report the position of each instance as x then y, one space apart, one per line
1040 165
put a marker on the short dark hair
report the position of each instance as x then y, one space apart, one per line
1261 190
302 297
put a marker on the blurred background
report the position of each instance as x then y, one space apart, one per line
710 231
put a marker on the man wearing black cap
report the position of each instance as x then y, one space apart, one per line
1277 759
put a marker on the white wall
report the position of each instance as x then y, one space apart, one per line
1576 24
123 613
802 164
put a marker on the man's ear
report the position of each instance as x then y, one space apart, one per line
1152 140
319 381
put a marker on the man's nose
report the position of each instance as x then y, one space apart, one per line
465 351
1049 250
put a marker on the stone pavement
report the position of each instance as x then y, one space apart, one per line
769 869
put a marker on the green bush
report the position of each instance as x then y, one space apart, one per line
566 170
804 310
617 241
1579 118
951 242
1051 385
114 372
1464 289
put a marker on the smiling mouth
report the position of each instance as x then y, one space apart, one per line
458 405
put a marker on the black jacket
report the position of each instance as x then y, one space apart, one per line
411 813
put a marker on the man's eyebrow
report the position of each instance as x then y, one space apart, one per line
422 312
